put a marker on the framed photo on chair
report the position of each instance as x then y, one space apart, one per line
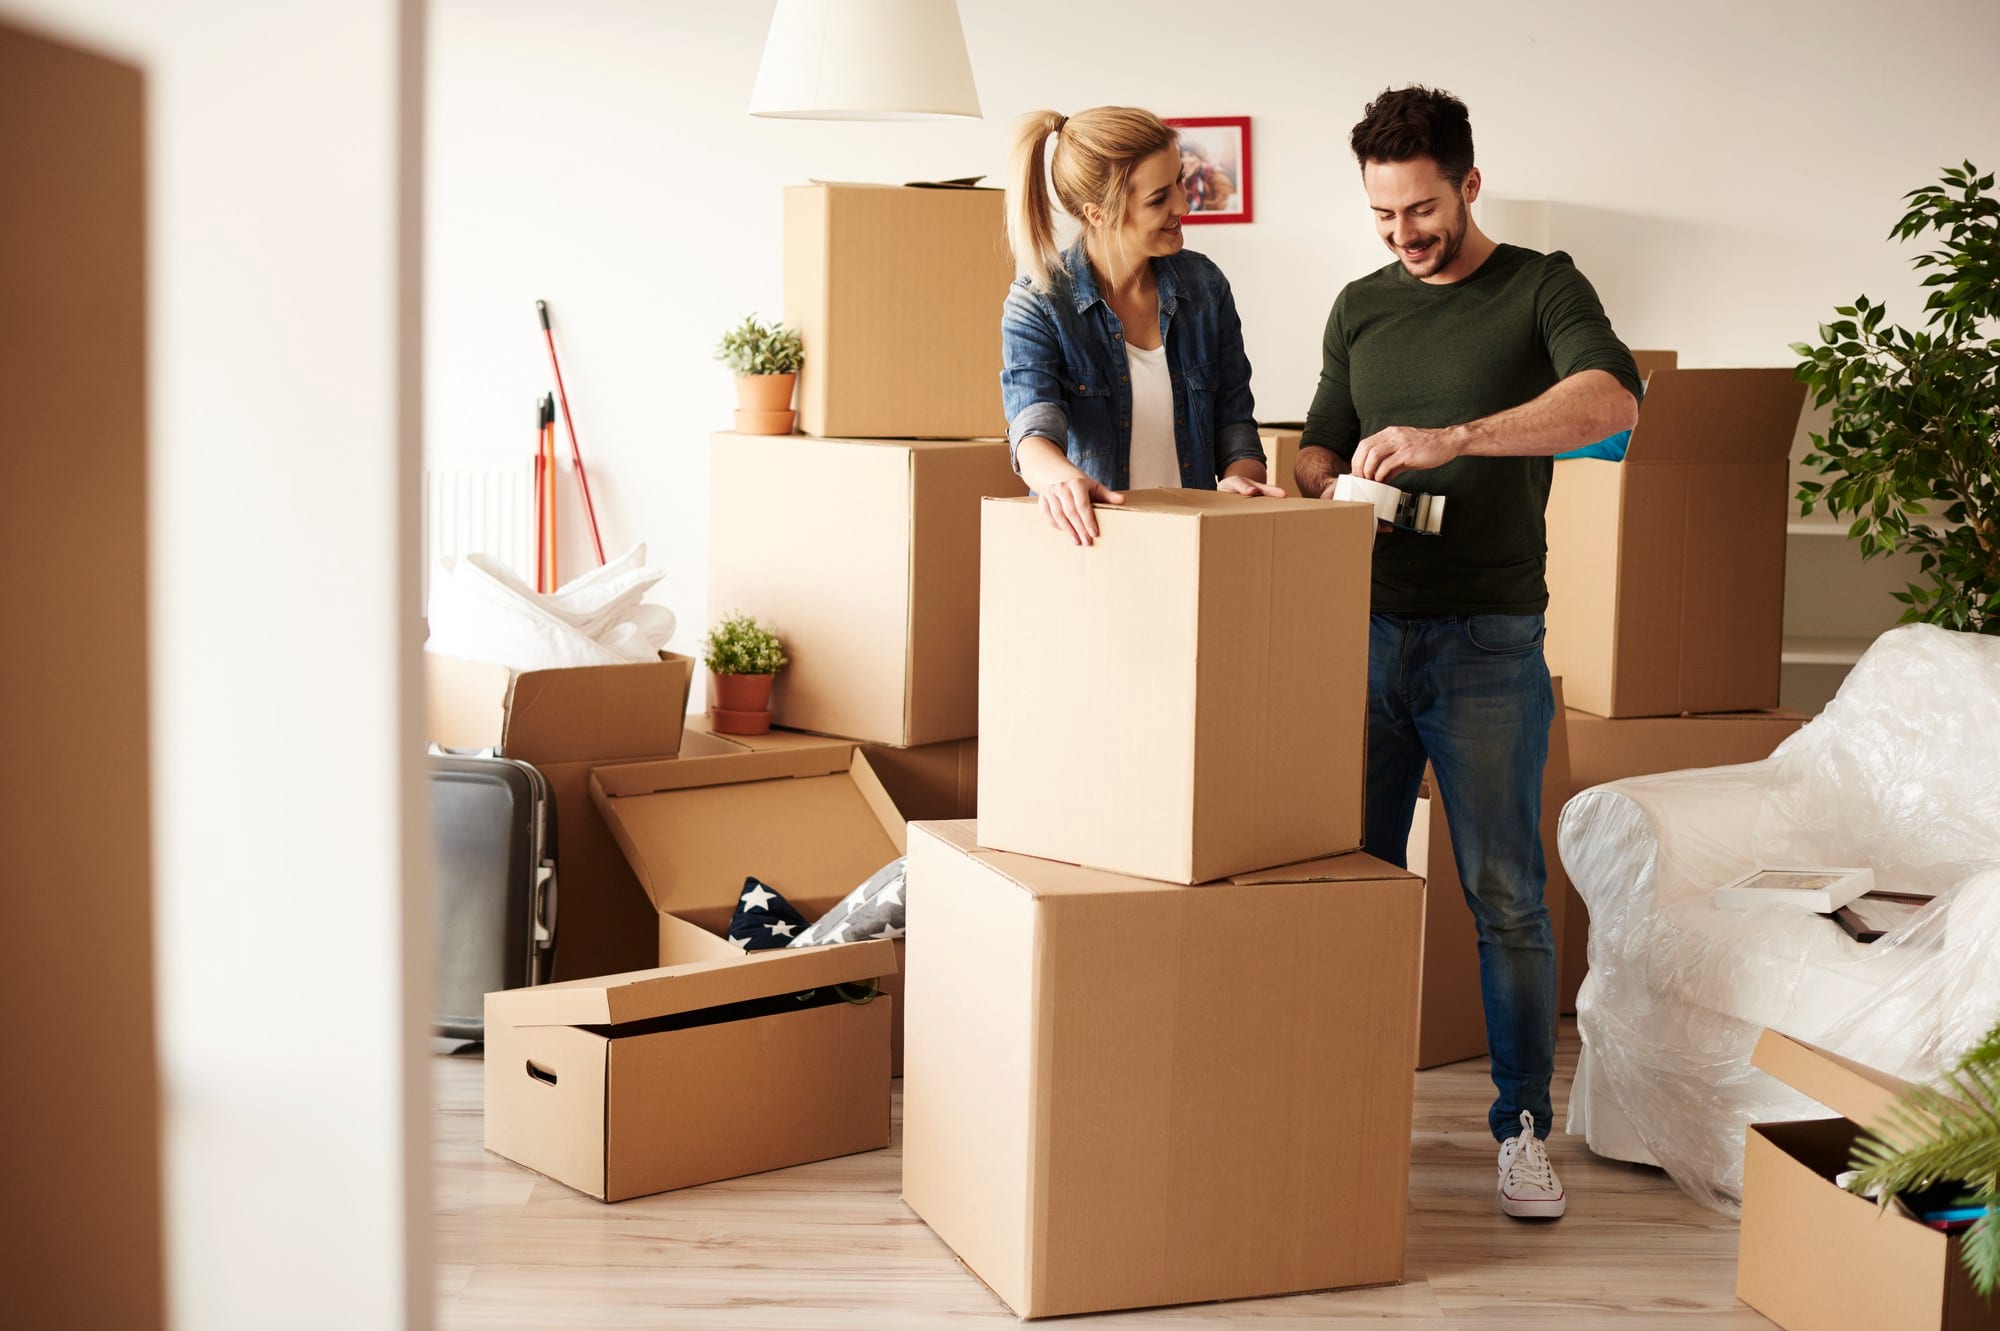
1215 167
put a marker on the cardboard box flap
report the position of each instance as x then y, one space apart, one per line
1054 878
466 701
631 780
1717 416
1853 1090
612 1000
956 183
1199 503
552 716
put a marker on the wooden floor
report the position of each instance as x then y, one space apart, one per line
831 1245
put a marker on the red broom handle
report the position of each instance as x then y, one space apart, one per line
575 452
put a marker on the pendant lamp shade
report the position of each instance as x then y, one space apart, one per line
865 60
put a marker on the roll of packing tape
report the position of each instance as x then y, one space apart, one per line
1400 508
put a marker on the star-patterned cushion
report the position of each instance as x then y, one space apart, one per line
763 919
873 910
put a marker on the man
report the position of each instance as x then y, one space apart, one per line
1461 369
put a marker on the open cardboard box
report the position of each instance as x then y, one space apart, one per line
1107 670
813 822
1125 1093
1666 571
564 722
863 556
709 1067
1815 1257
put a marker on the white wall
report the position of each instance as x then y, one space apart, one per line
1724 171
283 422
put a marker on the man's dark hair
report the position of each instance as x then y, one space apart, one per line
1406 123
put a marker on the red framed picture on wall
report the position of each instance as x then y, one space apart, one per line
1215 167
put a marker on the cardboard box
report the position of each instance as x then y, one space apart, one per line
897 292
812 821
1122 1093
1602 750
1281 456
564 722
1815 1257
862 555
632 1084
1666 571
932 781
1452 1025
1106 670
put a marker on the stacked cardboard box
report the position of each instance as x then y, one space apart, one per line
1132 1076
1667 583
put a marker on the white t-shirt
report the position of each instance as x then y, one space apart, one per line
1156 463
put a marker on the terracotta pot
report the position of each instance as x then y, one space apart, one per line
725 722
740 693
765 422
765 392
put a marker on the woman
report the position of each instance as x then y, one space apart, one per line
1124 356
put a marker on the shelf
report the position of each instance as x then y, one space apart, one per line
1824 651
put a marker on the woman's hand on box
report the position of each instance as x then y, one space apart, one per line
1066 504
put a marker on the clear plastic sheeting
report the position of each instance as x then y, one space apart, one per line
1900 774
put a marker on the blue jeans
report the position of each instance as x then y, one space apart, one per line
1470 694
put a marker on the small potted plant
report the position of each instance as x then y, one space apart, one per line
766 358
742 661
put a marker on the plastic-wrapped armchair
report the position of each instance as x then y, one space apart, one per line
1900 774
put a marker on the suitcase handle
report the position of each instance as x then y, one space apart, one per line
540 1073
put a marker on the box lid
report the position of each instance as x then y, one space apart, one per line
612 1000
1205 504
1055 878
1717 416
551 716
1853 1090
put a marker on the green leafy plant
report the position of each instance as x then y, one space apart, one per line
1916 415
1944 1134
737 646
755 348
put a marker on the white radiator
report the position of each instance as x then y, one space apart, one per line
479 510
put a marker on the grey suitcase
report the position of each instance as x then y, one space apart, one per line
494 846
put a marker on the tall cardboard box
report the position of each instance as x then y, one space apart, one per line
1602 750
1666 571
1107 670
812 822
1120 1093
1452 1026
862 555
564 722
1815 1257
897 292
704 1068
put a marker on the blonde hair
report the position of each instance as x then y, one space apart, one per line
1092 161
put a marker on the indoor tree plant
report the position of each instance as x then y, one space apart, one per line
1946 1134
1911 444
743 660
766 359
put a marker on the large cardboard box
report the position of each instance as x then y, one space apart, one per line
1666 571
862 555
564 722
1452 1025
897 292
708 1067
1602 750
1813 1256
932 781
811 821
1122 1093
1107 670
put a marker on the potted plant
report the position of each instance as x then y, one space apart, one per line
1913 441
743 660
766 358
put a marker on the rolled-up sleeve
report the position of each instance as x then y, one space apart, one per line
1031 375
1235 409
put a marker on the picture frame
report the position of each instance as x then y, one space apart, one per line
1217 172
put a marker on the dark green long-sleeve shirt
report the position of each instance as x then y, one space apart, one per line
1399 351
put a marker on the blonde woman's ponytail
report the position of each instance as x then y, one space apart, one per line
1031 223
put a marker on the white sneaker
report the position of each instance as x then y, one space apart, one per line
1528 1183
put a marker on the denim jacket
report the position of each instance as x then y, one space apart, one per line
1065 375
